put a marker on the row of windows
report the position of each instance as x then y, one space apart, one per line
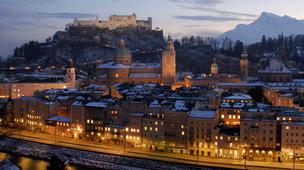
294 141
228 138
292 134
231 116
287 128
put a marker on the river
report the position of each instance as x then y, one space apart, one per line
26 163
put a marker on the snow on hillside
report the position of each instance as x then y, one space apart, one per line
267 24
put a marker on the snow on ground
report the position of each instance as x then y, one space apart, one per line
8 165
85 158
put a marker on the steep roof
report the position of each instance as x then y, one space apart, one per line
275 66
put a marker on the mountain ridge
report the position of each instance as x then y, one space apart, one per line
268 24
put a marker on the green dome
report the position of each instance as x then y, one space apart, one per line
122 51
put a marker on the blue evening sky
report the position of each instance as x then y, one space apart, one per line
24 20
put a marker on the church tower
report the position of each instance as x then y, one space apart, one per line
214 67
168 63
70 74
244 65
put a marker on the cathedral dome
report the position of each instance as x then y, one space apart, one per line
122 51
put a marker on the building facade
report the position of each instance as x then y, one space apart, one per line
122 70
115 21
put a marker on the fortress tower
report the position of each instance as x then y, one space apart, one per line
168 64
70 74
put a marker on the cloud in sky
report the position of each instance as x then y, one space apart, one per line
19 25
219 12
68 15
211 18
199 2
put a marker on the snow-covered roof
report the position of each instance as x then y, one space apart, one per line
238 96
238 105
275 66
97 104
62 97
148 75
60 119
202 114
49 103
95 87
180 105
155 103
145 65
137 114
77 103
225 104
112 65
79 98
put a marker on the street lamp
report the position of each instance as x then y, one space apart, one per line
294 158
245 158
124 145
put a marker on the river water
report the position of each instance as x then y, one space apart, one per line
26 163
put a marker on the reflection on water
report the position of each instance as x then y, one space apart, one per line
29 163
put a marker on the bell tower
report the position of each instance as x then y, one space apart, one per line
244 65
168 63
70 74
214 67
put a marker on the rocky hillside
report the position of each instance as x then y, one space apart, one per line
87 44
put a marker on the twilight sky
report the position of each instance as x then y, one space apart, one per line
24 20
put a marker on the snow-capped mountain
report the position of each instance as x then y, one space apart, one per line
267 24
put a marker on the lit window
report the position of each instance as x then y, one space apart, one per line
222 116
151 128
182 126
287 127
155 122
221 137
215 143
229 116
183 133
145 128
278 118
127 129
156 129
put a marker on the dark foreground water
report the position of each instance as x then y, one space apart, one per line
26 163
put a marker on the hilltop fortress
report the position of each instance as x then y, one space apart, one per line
115 21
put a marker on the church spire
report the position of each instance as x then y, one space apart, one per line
244 54
170 44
